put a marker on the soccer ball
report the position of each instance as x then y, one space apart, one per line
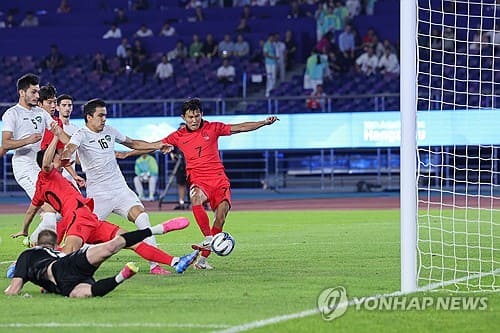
222 244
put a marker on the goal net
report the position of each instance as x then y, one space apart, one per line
458 91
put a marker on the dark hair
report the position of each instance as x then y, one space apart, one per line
46 92
47 237
191 105
90 107
27 80
62 97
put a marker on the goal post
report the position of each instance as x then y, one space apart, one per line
450 163
408 145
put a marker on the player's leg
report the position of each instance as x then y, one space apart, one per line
48 221
152 187
198 198
138 187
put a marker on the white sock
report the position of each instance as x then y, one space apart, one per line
175 261
48 222
119 278
201 260
142 222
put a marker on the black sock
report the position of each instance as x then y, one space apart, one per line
134 237
104 286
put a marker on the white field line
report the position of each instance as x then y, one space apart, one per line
278 319
112 325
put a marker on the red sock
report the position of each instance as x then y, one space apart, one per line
205 253
216 230
201 217
152 253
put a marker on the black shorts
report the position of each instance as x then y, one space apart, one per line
71 270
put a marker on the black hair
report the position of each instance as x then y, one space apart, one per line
191 105
27 80
63 97
90 107
47 237
46 92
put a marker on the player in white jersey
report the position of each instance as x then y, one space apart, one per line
65 108
105 182
23 128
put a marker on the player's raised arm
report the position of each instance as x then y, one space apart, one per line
66 154
252 125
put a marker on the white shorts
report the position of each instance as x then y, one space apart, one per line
26 174
114 201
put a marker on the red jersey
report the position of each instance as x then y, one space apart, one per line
200 148
48 136
53 188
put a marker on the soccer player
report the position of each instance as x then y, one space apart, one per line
23 128
64 105
73 275
105 183
79 224
205 171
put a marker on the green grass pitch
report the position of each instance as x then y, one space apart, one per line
281 263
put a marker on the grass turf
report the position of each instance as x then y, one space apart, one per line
281 263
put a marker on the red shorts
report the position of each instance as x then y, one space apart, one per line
84 223
217 189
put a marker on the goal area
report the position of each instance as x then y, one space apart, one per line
450 103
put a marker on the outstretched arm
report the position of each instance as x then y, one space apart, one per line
16 284
28 218
8 143
124 154
66 154
142 146
252 125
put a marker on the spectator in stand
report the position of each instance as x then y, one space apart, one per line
226 73
367 39
146 171
247 13
354 8
242 26
389 64
192 4
121 50
54 60
197 16
210 48
30 20
143 32
367 62
113 32
378 47
342 16
167 30
257 55
179 52
64 7
281 57
316 66
226 47
241 47
120 18
164 70
317 100
295 11
370 7
270 59
324 44
143 62
99 64
291 49
9 22
449 39
347 40
328 22
319 15
129 63
140 5
195 49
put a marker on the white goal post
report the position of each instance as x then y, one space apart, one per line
450 188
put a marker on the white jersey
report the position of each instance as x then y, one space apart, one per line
97 157
22 123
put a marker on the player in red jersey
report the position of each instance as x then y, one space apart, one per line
79 224
204 169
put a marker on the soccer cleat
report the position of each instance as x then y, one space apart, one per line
129 270
204 265
203 246
177 223
185 262
158 270
11 270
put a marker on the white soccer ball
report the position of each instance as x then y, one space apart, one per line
222 244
